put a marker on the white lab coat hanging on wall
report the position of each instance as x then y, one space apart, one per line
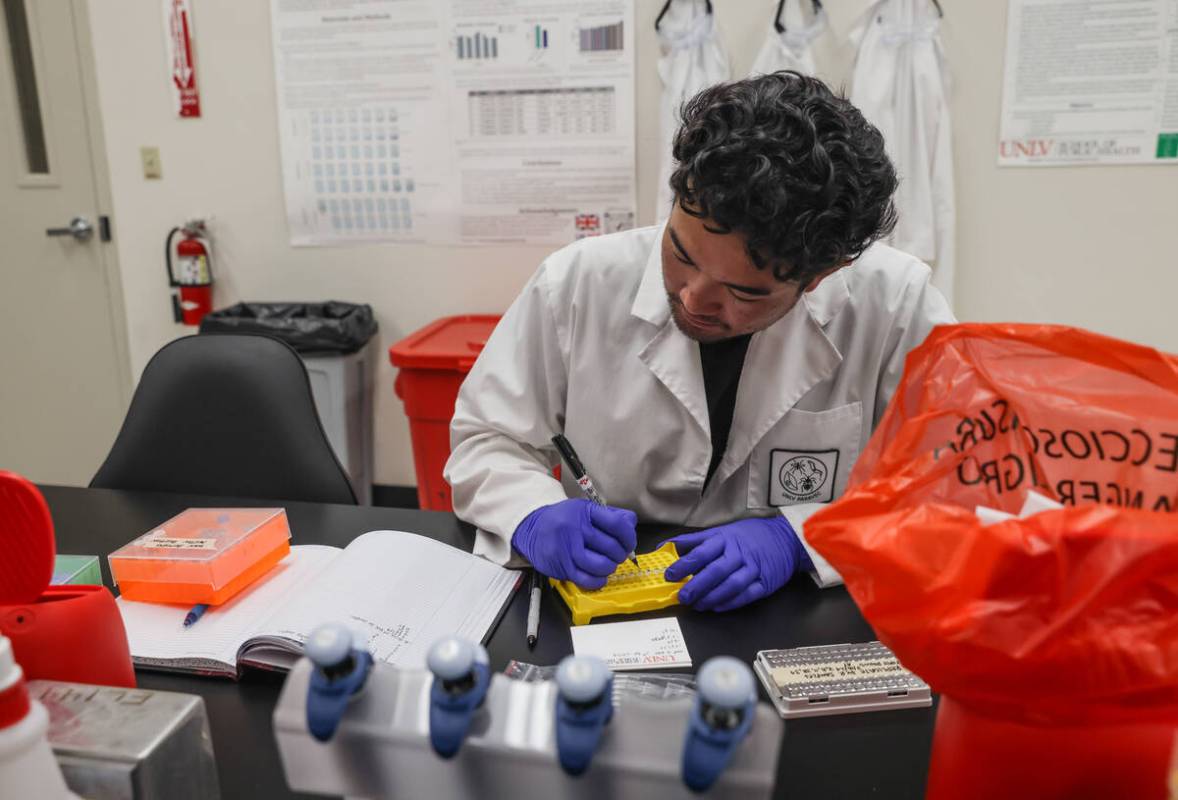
693 58
901 84
790 47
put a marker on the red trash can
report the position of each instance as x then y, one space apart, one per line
433 362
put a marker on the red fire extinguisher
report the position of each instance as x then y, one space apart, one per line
192 278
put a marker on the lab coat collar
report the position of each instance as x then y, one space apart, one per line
783 363
650 303
828 298
674 360
671 356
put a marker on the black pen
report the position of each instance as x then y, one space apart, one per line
583 480
534 593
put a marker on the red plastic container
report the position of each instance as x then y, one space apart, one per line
979 757
58 633
433 363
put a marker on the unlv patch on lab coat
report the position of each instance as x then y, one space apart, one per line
802 476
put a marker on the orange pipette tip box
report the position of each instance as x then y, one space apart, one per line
202 555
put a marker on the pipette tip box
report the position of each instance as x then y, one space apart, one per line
202 555
838 679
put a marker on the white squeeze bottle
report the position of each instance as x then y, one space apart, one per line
27 766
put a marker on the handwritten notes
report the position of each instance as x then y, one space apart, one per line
831 671
636 644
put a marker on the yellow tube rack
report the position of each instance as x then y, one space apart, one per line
629 590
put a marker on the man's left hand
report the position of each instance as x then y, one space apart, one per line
737 563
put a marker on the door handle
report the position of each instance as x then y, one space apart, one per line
79 228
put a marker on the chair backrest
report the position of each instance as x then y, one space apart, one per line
225 414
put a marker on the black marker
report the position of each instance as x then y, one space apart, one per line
583 480
534 593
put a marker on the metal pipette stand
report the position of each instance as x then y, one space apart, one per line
381 747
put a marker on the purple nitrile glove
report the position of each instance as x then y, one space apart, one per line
737 563
576 540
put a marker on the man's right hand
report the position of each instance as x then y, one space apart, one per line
577 540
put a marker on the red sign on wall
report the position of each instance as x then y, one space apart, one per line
178 35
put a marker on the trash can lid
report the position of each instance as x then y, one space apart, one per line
451 343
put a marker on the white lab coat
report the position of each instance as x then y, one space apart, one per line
693 58
791 48
901 84
589 349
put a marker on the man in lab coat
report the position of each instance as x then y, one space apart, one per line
722 371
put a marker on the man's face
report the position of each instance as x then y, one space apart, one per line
715 290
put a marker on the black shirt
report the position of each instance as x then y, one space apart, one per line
722 364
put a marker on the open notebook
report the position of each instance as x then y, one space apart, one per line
402 590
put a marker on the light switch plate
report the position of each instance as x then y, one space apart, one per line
152 167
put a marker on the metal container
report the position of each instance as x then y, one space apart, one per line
130 744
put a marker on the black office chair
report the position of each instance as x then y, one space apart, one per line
225 414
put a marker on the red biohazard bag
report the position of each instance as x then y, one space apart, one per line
1062 624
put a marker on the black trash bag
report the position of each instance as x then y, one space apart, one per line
331 327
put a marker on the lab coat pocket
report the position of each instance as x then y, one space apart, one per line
806 457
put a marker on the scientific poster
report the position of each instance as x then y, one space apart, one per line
456 122
1090 82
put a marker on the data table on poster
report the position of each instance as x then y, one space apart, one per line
528 112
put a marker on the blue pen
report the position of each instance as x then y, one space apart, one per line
196 613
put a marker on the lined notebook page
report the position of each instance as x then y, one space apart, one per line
157 635
404 591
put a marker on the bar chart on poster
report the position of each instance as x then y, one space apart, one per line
600 37
417 120
477 46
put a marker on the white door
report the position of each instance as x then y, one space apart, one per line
64 371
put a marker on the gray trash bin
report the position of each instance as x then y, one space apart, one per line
337 343
343 386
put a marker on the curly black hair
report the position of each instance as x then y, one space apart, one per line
788 164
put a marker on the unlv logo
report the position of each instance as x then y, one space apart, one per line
1025 148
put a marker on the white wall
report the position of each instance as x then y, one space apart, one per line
1067 245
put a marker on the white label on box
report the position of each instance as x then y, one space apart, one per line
160 539
829 671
